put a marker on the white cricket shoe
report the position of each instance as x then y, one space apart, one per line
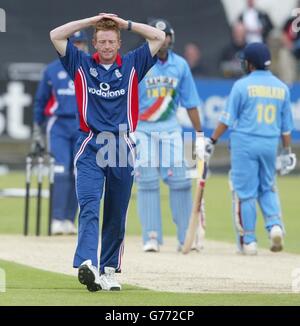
198 243
151 246
108 280
89 275
57 227
194 247
250 249
69 227
276 236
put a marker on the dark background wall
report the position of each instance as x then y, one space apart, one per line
27 40
29 23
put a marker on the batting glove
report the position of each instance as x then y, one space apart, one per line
37 143
286 162
200 145
209 148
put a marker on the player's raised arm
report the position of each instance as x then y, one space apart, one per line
59 36
154 36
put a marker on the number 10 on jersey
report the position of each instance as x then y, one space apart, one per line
266 113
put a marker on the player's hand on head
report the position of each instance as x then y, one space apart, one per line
122 24
94 20
107 14
209 148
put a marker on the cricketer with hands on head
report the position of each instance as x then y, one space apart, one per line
99 112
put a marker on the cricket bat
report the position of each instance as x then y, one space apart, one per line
196 215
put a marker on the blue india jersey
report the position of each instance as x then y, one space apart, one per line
166 86
259 104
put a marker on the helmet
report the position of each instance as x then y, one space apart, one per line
257 54
79 36
164 26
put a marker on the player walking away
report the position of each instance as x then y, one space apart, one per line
106 87
167 84
55 103
258 113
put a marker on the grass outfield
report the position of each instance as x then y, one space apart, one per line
218 211
27 286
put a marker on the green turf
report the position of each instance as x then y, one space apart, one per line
218 211
27 286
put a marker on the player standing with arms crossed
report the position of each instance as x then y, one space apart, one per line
106 86
258 113
168 84
55 102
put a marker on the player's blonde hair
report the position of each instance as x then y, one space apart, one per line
107 24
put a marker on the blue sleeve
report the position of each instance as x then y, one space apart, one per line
230 113
188 94
287 118
72 60
42 96
143 60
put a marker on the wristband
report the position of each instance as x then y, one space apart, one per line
213 141
129 25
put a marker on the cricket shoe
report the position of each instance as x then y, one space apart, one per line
88 275
198 243
151 246
57 227
276 236
108 280
250 249
195 247
69 227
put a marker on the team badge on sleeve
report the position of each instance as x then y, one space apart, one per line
62 75
118 73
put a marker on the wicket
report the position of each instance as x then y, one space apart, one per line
39 160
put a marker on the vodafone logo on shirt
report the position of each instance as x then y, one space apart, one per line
105 92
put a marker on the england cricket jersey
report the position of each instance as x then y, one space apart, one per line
166 85
259 105
55 94
107 99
